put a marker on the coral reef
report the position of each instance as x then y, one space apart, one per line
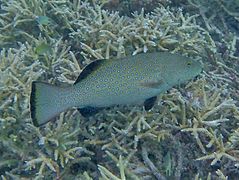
193 130
127 7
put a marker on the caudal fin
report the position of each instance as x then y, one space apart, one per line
46 102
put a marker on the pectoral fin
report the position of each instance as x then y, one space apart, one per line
152 83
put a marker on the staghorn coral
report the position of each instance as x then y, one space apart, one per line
188 128
161 30
19 67
220 19
128 7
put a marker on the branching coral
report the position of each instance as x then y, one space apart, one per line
221 7
19 67
159 30
188 127
220 19
59 147
106 174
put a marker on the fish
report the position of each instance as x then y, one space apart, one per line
108 82
43 48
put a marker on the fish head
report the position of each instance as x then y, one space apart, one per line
181 69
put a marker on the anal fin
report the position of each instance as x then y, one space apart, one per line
88 111
149 103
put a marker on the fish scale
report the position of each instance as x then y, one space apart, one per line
122 84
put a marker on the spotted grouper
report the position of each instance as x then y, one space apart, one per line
104 83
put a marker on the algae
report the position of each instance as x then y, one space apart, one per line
191 133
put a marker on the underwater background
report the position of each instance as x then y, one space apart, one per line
191 133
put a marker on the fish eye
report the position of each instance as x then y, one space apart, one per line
189 63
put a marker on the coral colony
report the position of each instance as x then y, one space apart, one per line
192 132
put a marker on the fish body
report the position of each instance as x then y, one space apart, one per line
105 83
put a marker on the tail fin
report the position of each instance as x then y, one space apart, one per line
46 102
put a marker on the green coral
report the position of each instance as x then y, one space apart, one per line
188 127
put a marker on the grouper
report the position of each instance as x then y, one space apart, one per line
104 83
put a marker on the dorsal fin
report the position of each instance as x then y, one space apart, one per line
89 69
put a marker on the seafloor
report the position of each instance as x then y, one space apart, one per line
191 133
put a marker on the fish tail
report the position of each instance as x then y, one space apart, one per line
46 102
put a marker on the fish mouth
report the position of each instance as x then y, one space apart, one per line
196 77
199 75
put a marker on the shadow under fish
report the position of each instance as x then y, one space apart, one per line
104 83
